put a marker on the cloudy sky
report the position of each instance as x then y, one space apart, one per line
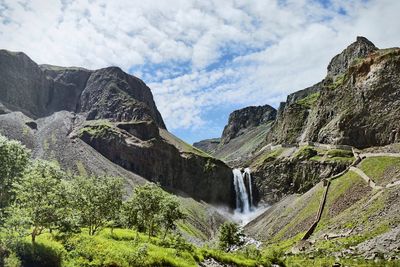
202 59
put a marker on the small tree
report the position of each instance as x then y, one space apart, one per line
14 158
97 200
41 196
151 208
171 213
230 234
145 208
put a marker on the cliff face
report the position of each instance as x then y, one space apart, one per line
346 107
111 111
39 91
243 119
363 109
208 145
242 136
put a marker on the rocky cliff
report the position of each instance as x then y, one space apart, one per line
303 108
39 91
208 145
245 118
244 134
115 114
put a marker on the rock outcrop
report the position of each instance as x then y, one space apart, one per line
244 134
276 179
115 114
157 158
358 50
39 91
245 118
346 107
208 145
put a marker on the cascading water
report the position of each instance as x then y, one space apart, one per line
242 198
245 210
248 172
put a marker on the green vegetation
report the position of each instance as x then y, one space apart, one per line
334 155
14 158
339 80
40 202
357 61
182 145
230 235
308 212
305 152
268 156
309 101
96 128
378 167
340 153
150 208
96 200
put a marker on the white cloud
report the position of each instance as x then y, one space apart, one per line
275 47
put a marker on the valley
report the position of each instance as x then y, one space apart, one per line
315 182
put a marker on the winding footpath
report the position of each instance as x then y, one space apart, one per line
353 167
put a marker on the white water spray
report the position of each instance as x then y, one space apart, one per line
242 198
248 172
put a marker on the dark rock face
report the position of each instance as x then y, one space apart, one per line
39 91
112 94
111 111
208 145
203 178
282 177
361 48
23 86
364 110
346 107
242 119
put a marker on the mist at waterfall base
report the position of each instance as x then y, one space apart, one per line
245 210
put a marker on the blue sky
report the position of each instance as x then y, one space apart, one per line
202 59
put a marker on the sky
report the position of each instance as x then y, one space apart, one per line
202 59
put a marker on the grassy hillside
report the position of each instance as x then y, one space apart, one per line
353 213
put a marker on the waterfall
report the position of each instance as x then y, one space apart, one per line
242 198
247 170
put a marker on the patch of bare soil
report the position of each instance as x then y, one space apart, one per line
391 174
350 197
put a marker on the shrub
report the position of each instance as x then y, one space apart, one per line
340 153
306 152
230 234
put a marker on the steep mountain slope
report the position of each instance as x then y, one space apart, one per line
66 112
330 162
357 216
346 107
244 134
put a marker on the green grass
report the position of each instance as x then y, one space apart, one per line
334 155
182 145
341 153
96 128
268 156
340 79
375 167
310 210
309 100
337 189
122 248
235 259
81 168
305 152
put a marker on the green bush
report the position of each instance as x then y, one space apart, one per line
44 254
340 153
306 152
